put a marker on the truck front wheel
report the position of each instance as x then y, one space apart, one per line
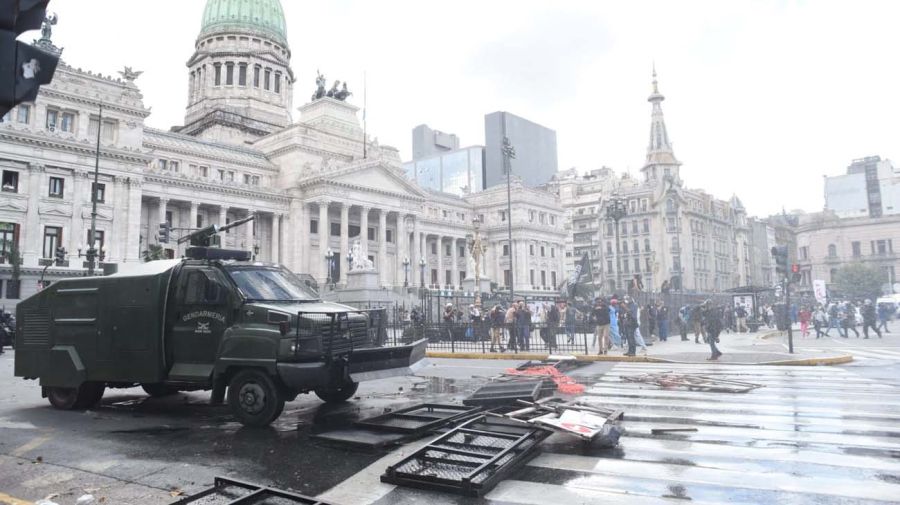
337 394
254 398
84 396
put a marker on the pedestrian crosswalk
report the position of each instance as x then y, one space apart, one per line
810 435
887 353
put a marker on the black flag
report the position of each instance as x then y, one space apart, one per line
581 281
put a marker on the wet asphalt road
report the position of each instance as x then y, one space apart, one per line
823 435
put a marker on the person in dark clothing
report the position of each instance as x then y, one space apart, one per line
884 315
662 318
627 325
523 325
712 323
600 320
870 319
496 317
552 323
697 323
684 316
848 321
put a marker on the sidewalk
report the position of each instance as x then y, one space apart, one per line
736 348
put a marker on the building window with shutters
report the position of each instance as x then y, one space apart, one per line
52 240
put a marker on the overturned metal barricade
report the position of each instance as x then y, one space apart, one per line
469 459
231 491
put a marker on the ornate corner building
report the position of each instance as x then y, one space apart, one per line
315 184
668 233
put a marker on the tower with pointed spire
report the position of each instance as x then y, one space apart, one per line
661 162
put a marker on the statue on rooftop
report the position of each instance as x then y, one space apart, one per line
320 86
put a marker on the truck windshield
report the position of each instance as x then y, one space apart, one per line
270 284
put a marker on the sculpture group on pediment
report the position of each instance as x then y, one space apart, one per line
337 91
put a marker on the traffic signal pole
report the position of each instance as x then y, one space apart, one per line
787 313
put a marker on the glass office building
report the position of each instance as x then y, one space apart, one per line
456 172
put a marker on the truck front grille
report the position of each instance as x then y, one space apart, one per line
342 342
35 327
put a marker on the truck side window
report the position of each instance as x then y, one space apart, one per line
201 288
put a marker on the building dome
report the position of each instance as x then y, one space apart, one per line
265 17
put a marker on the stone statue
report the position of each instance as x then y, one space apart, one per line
130 75
320 86
46 26
359 262
334 90
343 93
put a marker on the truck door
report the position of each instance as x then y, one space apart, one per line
200 316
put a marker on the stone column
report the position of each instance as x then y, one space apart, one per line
294 232
252 229
323 241
133 230
275 243
441 279
416 253
454 260
364 230
76 239
192 219
223 218
345 241
402 240
382 247
30 231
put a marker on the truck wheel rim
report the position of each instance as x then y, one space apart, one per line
253 398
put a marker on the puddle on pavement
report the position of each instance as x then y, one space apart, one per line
154 430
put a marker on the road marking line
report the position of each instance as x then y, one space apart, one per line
33 444
12 500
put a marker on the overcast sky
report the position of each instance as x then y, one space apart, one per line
762 98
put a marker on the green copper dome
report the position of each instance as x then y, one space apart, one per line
255 16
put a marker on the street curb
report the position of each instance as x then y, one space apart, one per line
535 356
833 360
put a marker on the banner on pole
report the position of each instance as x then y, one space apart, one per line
819 290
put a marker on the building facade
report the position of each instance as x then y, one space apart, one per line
669 233
536 160
827 242
314 185
427 142
870 188
459 172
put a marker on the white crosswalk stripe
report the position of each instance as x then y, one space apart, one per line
810 435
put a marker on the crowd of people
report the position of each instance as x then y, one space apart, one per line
624 325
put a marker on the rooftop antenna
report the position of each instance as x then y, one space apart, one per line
365 139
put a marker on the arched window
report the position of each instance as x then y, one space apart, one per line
832 251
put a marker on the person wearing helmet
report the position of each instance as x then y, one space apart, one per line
870 319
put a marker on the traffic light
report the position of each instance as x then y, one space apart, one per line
23 67
164 233
780 253
60 256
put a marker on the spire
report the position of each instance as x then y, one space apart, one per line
661 159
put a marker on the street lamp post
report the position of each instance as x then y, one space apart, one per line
92 252
616 210
422 264
406 272
477 248
329 262
509 153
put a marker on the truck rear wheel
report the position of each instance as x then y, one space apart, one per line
337 394
254 398
84 396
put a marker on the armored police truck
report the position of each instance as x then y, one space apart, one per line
211 321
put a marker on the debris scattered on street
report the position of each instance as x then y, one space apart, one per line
591 424
469 459
231 491
495 394
693 382
660 431
85 499
564 383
